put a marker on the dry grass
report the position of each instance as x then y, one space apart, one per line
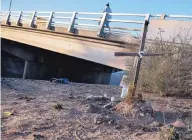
130 95
170 74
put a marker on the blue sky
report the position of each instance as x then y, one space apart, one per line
123 6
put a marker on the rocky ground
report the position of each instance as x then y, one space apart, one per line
41 110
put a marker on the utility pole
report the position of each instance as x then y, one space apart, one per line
10 5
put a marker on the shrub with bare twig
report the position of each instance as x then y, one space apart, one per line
170 74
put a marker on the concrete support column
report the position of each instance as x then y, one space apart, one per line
25 69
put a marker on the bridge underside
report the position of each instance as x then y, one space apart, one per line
44 64
92 49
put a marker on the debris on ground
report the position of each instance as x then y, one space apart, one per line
97 98
39 137
92 108
57 106
71 96
178 124
60 80
100 118
25 97
109 105
169 133
7 113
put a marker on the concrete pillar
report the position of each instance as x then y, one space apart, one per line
25 69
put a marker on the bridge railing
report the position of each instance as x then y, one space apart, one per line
73 20
120 23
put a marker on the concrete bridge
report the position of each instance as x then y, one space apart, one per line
64 33
95 44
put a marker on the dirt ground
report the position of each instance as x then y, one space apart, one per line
35 118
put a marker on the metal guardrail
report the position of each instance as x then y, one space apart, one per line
71 20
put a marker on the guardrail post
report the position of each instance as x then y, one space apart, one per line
19 19
32 24
163 16
8 18
147 16
101 26
71 29
48 26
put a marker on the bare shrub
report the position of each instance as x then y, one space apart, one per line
170 74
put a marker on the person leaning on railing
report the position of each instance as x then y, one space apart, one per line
107 10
